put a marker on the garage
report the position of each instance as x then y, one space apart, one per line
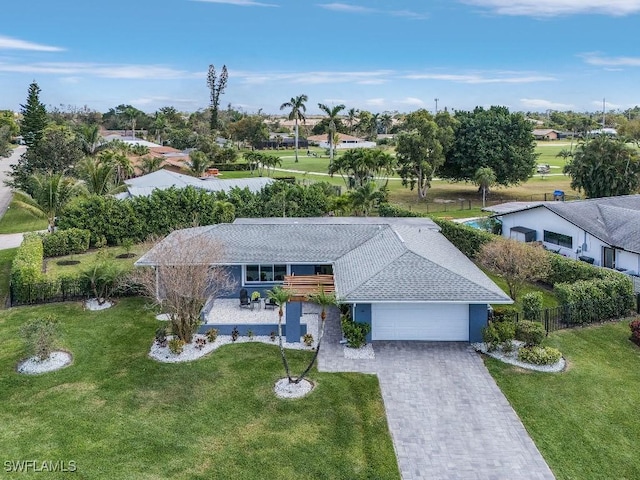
420 321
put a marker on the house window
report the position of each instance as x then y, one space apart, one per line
265 273
558 239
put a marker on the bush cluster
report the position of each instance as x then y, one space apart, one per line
467 239
532 304
40 335
635 331
65 242
568 270
389 210
539 355
499 333
531 333
354 332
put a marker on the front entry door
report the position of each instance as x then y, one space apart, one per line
608 257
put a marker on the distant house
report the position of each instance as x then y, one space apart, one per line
164 179
546 134
344 141
601 231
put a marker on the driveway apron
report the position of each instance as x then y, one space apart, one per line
448 418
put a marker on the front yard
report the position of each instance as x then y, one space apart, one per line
118 414
584 421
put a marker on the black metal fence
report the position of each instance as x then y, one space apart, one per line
61 290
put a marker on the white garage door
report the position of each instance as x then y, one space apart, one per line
420 321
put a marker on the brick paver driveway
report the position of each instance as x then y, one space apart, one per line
448 419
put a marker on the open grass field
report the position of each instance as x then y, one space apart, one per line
17 219
584 421
53 269
119 414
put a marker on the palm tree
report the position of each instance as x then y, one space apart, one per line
198 163
150 164
124 169
50 192
364 198
332 115
324 300
280 297
484 177
90 138
387 122
298 108
352 116
565 154
99 177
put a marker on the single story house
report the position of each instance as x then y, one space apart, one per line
601 231
164 179
344 141
400 275
545 134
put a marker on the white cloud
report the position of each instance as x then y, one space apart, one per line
8 43
333 101
601 61
608 105
126 71
372 81
550 8
497 77
349 8
541 104
71 80
375 102
239 3
413 101
314 77
163 100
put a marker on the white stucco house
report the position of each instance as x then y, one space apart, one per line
601 231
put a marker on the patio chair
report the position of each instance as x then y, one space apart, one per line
270 303
245 301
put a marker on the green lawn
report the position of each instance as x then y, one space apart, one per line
584 421
6 258
548 297
53 269
17 220
119 414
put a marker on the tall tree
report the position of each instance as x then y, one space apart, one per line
419 151
90 138
387 122
99 177
358 166
198 163
332 116
216 86
492 138
604 167
34 116
5 141
352 116
298 108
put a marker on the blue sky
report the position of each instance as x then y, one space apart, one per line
375 55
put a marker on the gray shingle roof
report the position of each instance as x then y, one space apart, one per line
374 260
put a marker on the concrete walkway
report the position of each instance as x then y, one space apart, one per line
448 418
10 240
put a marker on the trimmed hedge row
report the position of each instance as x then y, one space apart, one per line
389 210
568 270
467 239
597 299
65 242
26 268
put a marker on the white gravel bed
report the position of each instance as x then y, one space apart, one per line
284 389
163 317
34 366
93 305
365 352
512 358
190 352
228 311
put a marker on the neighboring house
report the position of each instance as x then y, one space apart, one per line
164 179
602 231
400 275
546 134
344 141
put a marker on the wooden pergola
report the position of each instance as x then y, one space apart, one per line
301 286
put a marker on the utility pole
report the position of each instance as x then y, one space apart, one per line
436 100
603 113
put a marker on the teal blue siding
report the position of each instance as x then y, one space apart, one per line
362 314
478 316
293 314
257 328
303 269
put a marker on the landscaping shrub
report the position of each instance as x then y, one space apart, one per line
467 239
635 332
532 304
355 332
390 210
568 270
161 336
531 333
176 346
498 333
65 242
539 355
506 312
212 334
26 268
40 335
307 339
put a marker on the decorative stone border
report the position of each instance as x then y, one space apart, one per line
284 389
512 359
33 366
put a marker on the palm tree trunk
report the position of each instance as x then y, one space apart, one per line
323 316
282 354
296 140
484 195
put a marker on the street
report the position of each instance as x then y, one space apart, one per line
5 192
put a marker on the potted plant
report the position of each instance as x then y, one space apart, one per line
255 296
